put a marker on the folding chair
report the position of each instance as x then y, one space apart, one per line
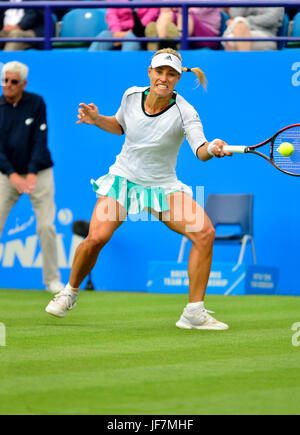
232 210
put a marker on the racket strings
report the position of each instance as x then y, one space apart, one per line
290 163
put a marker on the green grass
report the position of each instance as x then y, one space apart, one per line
120 353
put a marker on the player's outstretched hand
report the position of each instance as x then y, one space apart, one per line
216 147
87 113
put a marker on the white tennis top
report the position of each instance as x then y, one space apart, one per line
152 142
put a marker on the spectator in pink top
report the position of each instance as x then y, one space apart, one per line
125 23
201 22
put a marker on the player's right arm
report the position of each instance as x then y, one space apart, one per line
89 114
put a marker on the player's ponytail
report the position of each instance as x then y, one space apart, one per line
199 74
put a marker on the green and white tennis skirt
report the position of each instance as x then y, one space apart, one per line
135 198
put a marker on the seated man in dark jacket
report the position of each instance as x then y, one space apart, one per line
20 23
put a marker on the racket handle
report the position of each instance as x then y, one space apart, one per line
235 148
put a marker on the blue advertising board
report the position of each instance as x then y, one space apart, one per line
250 96
225 279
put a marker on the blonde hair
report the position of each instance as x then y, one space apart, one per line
201 78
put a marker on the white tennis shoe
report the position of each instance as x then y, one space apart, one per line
200 319
63 301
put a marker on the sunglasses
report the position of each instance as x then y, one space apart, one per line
13 81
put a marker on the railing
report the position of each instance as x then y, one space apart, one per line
185 39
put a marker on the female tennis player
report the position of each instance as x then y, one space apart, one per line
155 121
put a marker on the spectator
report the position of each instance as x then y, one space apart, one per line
253 22
201 22
25 163
125 23
20 23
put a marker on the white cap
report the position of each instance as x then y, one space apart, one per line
167 59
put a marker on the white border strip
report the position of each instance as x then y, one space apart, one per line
243 276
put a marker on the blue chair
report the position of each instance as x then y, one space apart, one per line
295 32
283 31
296 25
234 211
83 22
224 19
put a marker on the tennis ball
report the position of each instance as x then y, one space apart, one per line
286 149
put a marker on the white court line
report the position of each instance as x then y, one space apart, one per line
2 335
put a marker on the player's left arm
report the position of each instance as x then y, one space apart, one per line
194 133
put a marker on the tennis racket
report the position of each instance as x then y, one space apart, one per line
289 165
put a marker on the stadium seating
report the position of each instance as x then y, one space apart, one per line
81 22
283 31
296 25
224 18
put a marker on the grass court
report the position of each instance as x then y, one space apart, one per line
120 353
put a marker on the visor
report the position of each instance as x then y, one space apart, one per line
166 59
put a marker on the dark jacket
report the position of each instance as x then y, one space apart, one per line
23 136
33 19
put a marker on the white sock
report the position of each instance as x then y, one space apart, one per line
72 289
195 306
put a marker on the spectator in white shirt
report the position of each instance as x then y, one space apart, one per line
20 23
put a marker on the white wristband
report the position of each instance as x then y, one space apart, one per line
212 144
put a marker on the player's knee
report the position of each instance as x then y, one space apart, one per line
210 235
205 237
98 239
